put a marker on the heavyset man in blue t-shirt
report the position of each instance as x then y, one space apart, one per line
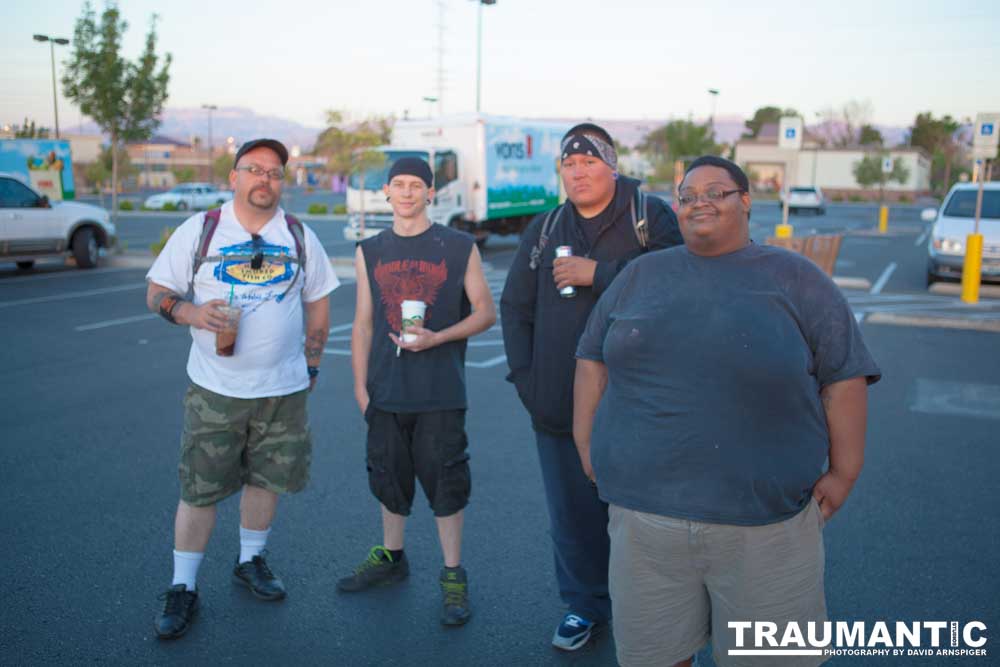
412 394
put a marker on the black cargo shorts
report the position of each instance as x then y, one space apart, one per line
429 446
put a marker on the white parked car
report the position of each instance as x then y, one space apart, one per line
32 228
954 222
806 198
190 196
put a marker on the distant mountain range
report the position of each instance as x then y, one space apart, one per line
184 124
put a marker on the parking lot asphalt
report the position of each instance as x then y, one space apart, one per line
91 386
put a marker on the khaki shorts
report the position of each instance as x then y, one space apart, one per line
675 584
228 442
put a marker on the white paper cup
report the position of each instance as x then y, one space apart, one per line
413 316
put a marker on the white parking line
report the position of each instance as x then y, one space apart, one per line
72 295
883 279
489 363
923 237
112 323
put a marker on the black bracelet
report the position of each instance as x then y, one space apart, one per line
313 371
168 304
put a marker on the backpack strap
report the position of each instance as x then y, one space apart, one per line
551 218
209 224
298 233
640 202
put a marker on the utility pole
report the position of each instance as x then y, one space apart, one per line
62 41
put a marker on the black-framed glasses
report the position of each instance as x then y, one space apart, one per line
275 174
257 260
712 197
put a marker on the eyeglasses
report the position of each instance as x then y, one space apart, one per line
712 197
275 174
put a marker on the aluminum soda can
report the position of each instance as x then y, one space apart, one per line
566 251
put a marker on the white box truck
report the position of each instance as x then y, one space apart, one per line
491 174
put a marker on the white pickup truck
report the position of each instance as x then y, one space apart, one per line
31 227
192 196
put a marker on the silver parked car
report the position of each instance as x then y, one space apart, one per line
954 222
806 198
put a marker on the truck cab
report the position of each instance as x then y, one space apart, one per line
366 200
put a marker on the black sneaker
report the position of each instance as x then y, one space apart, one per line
455 590
178 612
379 569
257 576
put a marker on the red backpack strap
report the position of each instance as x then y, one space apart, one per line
298 232
208 227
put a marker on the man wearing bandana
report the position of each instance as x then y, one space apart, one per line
541 329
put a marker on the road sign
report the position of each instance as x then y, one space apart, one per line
790 132
986 136
887 165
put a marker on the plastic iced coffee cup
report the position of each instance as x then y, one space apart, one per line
225 340
413 316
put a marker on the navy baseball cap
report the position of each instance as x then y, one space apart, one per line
273 144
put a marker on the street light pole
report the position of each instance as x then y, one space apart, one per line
714 94
430 101
211 167
52 53
479 50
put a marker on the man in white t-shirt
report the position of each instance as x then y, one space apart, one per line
245 424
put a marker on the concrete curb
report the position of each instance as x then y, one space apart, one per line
338 217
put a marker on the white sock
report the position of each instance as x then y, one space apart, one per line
186 564
252 542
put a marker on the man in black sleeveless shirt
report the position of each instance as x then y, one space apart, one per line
412 394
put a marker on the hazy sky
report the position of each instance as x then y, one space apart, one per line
615 59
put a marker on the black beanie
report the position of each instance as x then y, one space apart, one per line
412 166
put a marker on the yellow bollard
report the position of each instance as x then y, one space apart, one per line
783 231
883 219
972 267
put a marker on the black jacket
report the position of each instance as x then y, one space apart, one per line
541 328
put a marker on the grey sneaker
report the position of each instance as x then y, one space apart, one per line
455 590
572 633
377 570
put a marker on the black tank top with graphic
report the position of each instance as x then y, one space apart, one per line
429 267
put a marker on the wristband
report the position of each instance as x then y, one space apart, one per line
167 305
313 371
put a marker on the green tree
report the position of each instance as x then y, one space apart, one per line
870 136
183 174
868 172
221 167
937 137
100 171
124 98
677 140
763 116
349 147
29 131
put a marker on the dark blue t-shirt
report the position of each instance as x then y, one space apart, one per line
715 364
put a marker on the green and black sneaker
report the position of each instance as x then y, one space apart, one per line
455 589
379 569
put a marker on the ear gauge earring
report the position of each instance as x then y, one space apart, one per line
388 199
428 201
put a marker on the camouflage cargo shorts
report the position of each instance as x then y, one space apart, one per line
228 442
